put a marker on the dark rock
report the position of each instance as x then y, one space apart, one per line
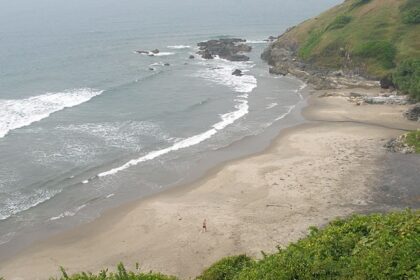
191 57
237 72
386 83
413 114
166 64
206 54
142 52
151 69
155 51
237 57
230 49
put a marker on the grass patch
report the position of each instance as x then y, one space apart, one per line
407 77
413 140
339 22
412 16
305 51
358 3
382 51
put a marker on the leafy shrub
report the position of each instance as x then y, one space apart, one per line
412 16
407 77
362 247
382 51
413 140
339 22
227 268
311 42
121 274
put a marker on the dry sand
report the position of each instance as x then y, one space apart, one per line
311 174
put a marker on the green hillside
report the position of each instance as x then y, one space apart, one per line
373 37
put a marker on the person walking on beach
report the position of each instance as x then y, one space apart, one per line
204 226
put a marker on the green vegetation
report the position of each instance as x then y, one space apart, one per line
375 37
313 39
339 22
413 139
411 12
407 77
227 268
360 2
412 17
382 51
121 274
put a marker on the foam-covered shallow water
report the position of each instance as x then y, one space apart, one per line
86 123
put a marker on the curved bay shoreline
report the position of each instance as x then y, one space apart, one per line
331 166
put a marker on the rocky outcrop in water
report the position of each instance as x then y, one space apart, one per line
230 49
237 72
149 53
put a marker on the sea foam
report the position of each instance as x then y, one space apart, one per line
17 113
220 71
179 47
18 202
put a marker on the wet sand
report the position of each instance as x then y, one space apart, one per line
326 168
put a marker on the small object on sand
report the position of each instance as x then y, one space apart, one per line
204 225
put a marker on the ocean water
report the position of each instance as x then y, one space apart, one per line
87 124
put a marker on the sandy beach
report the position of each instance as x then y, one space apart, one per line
311 174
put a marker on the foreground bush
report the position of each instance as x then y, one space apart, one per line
362 247
227 268
121 274
407 77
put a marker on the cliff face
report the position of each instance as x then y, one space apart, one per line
365 37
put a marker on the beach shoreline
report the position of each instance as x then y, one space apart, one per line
310 174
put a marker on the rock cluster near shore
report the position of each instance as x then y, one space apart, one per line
380 99
399 145
230 49
413 114
283 60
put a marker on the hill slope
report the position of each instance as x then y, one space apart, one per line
367 37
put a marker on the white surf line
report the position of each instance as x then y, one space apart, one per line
287 113
18 113
227 119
